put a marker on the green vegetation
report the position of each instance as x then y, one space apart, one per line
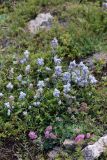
81 30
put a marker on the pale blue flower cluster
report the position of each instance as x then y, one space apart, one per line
40 61
19 78
58 70
74 74
9 86
56 93
81 75
41 84
66 77
22 95
26 57
67 88
57 60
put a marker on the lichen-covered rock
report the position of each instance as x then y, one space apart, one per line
43 20
94 151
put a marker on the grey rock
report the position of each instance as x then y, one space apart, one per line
94 151
69 143
42 21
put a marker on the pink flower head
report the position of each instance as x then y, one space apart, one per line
88 135
52 136
79 138
47 134
32 135
49 128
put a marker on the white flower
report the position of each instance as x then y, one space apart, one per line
40 61
59 119
26 54
9 86
8 112
11 98
1 95
66 76
41 84
30 85
58 70
92 79
15 62
46 79
11 71
38 93
27 69
29 107
40 90
36 104
22 95
57 60
19 78
59 102
13 107
67 88
48 69
54 43
25 113
7 104
56 93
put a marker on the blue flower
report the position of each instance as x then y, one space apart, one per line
22 95
19 78
81 65
56 93
40 61
58 70
22 61
72 65
66 76
92 79
57 60
67 88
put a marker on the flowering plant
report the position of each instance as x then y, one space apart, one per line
37 92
